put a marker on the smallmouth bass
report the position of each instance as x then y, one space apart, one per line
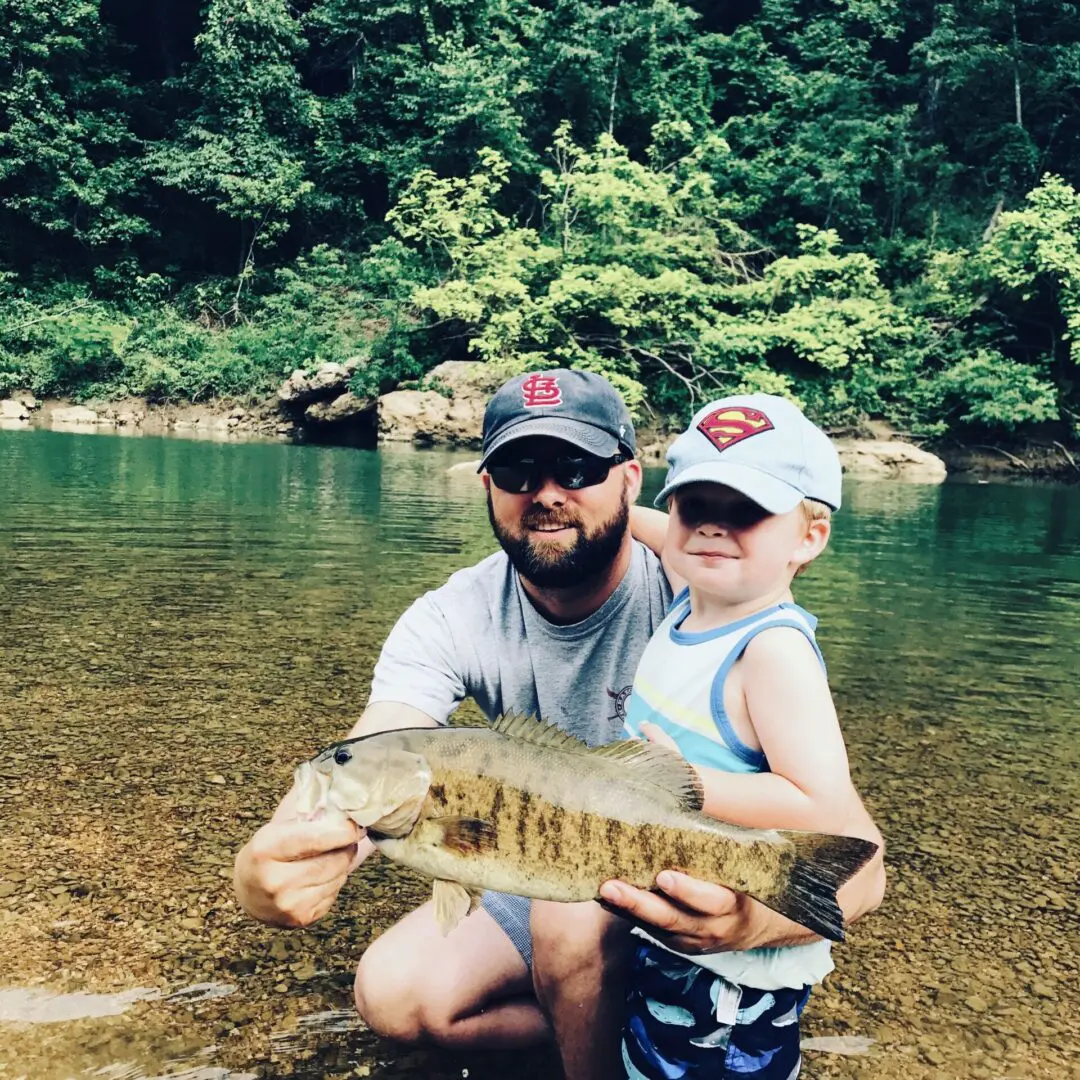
524 808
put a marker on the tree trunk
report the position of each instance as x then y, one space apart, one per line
1016 71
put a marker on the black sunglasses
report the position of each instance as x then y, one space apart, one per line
526 474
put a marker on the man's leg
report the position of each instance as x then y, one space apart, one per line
470 988
580 958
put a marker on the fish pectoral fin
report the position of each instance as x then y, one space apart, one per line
465 835
452 903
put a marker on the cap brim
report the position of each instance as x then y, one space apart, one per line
581 435
774 495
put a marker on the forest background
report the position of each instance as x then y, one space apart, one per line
868 205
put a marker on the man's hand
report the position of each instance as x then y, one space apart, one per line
694 916
290 872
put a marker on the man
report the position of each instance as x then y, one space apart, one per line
552 625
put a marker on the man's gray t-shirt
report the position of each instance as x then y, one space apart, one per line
479 636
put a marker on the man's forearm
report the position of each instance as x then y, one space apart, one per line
388 716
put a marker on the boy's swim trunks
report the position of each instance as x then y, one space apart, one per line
684 1021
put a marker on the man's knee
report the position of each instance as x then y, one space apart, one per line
402 994
387 997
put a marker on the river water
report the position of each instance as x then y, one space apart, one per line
181 622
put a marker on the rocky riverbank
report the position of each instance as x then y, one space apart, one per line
446 409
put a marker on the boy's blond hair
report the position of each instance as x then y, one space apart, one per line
813 511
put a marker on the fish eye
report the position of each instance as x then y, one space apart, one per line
342 756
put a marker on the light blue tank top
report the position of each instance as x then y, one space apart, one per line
679 686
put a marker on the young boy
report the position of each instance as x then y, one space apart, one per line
734 678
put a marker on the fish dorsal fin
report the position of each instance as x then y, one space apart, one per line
658 765
643 761
532 730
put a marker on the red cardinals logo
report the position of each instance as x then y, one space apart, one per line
541 391
725 427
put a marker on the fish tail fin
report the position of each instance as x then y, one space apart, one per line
822 864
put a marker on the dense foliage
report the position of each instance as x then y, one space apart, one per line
866 204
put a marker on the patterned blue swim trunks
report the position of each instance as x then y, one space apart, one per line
685 1021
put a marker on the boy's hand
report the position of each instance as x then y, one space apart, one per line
655 734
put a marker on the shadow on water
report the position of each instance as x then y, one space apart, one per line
181 622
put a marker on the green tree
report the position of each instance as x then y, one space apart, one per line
69 164
638 272
241 149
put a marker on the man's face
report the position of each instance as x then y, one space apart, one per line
558 537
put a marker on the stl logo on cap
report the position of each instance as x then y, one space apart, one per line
541 391
733 423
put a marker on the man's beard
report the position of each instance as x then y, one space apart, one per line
553 566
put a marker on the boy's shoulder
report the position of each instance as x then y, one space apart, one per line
783 645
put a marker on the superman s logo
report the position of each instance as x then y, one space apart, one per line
727 426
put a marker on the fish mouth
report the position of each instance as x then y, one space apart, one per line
312 785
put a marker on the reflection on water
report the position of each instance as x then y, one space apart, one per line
181 622
27 1005
838 1044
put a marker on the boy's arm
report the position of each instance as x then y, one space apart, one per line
649 527
808 785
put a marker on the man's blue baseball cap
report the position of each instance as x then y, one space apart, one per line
760 445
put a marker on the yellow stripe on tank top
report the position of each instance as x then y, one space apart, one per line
676 712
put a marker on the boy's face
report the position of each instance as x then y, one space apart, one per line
728 547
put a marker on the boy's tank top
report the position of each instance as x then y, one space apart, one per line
679 686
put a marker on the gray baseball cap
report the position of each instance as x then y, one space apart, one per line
760 445
578 407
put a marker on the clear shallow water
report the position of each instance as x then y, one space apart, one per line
180 622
